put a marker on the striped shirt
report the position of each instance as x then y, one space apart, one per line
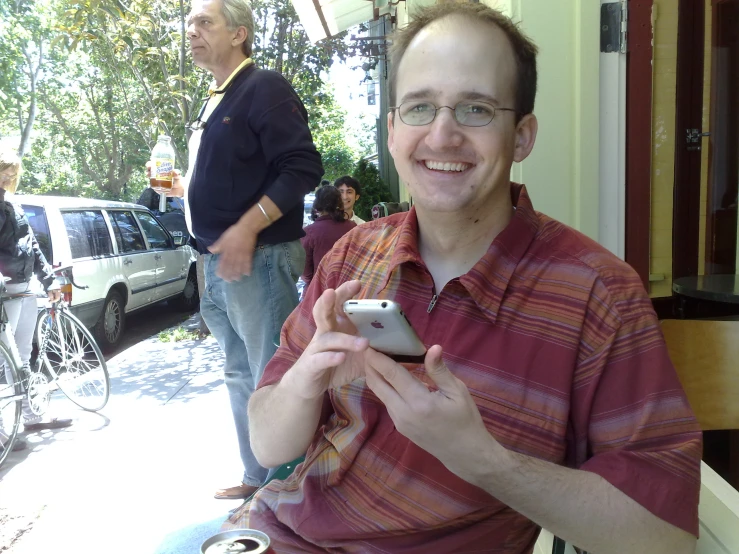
561 350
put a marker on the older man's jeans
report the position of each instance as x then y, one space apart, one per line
245 317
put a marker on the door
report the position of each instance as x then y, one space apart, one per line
706 139
171 264
723 164
137 263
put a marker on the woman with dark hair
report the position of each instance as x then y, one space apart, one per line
329 225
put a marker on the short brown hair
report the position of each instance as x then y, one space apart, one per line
524 48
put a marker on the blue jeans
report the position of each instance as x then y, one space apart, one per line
245 317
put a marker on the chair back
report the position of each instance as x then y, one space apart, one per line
706 357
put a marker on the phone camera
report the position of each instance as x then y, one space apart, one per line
384 304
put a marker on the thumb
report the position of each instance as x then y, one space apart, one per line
437 369
215 248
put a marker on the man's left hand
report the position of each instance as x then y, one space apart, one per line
446 423
54 295
236 248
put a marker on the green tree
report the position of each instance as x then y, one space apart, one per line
374 189
25 28
328 127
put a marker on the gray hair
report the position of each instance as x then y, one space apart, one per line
238 13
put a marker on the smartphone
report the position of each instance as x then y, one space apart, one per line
385 325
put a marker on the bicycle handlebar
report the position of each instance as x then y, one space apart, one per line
63 271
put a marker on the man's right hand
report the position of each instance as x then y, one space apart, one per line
335 355
178 189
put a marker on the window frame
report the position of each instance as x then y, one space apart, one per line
94 255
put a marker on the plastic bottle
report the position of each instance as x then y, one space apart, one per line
162 165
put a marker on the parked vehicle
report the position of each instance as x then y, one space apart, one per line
124 255
308 208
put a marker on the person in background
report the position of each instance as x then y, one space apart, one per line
20 258
252 160
350 190
329 225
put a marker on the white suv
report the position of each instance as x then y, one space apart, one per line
125 257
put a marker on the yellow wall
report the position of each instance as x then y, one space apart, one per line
663 145
562 172
704 152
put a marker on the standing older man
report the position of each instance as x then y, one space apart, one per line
547 398
252 160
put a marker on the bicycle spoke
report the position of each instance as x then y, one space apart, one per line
72 357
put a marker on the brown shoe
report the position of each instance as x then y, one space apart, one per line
240 492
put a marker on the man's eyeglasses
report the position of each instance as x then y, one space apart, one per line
469 114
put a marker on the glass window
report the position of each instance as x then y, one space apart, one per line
37 218
157 236
127 233
88 234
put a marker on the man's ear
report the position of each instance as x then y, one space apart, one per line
525 137
390 132
240 36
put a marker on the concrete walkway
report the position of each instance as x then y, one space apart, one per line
139 476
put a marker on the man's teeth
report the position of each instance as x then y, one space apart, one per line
446 166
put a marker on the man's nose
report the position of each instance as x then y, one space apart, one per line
191 32
444 131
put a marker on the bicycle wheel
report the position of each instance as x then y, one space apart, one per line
11 394
72 358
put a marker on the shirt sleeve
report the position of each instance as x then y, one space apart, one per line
632 422
307 242
287 145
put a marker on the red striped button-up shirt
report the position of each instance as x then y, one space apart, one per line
561 350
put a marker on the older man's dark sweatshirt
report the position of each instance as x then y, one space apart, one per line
255 142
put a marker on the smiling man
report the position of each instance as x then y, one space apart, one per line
547 398
252 160
350 190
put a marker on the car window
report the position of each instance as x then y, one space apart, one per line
88 234
37 218
126 232
157 236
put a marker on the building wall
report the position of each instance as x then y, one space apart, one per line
704 152
663 145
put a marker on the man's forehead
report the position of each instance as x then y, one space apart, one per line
345 187
200 8
481 65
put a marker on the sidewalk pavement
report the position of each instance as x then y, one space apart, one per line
137 477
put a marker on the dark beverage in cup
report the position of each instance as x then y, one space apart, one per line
249 541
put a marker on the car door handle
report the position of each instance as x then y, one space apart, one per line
127 262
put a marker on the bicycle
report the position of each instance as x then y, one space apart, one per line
68 358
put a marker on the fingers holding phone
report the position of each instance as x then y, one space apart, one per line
335 355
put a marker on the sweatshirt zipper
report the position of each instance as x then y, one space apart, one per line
434 298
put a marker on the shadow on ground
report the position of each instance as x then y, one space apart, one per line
167 372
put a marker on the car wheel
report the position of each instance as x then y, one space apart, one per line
190 297
109 328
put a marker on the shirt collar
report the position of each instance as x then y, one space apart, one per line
488 279
213 90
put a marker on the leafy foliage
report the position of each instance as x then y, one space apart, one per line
102 78
374 189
